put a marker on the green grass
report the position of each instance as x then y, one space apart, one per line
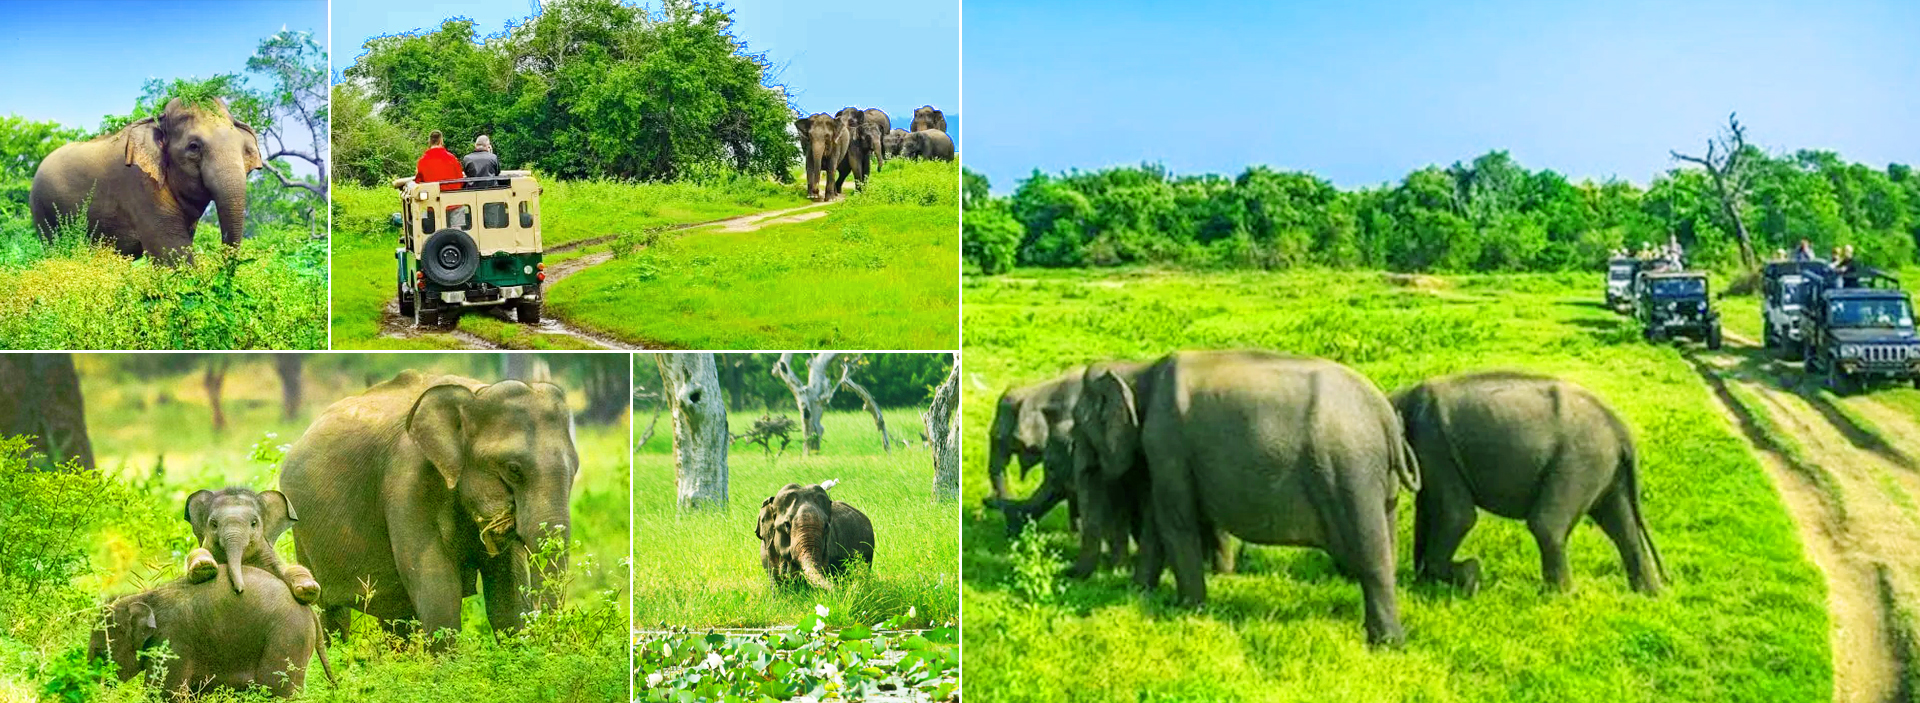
154 441
1743 617
364 240
703 570
878 272
269 293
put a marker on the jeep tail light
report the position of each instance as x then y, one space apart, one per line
541 276
542 266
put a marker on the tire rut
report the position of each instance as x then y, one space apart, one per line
1857 531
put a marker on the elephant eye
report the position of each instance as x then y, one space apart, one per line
513 469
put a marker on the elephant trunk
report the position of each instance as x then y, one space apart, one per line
810 547
997 459
230 201
234 542
536 528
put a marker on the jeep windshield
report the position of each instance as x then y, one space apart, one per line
1891 313
1620 272
1678 287
1793 291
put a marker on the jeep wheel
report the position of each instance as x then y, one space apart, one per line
528 311
1768 338
1838 381
450 257
1713 338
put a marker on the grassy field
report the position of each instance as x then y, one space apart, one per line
877 272
364 240
155 444
270 293
1743 618
703 570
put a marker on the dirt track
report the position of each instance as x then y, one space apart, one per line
1852 498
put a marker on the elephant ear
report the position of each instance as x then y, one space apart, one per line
765 525
804 125
146 148
437 426
1120 423
198 506
253 155
141 624
276 515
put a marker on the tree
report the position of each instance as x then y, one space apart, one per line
214 378
44 401
296 66
811 396
1725 162
944 436
700 436
289 368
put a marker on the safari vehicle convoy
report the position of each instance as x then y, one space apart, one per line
1671 304
448 261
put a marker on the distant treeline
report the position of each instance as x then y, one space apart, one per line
586 88
1488 215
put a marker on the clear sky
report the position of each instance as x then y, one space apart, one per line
1363 91
829 54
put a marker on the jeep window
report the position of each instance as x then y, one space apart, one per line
1679 287
460 217
526 215
1794 292
426 223
1886 312
1620 273
493 215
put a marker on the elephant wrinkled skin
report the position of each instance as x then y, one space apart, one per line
220 638
146 186
894 142
1526 447
804 534
420 490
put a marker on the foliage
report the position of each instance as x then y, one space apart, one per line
23 144
1488 215
295 64
48 514
242 103
1036 567
583 89
852 663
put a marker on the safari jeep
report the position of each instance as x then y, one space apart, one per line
1674 304
1859 329
474 246
1786 287
1620 273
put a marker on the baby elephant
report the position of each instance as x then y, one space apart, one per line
805 534
238 526
220 638
1526 447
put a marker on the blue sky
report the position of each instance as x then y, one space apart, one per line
1361 92
829 55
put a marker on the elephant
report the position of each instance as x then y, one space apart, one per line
893 142
806 535
928 117
927 144
220 638
1270 448
824 141
1522 446
239 526
1032 424
421 487
146 186
860 152
874 129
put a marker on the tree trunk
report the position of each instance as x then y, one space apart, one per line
700 435
525 367
214 378
43 401
289 367
1730 205
886 441
607 386
810 397
944 434
734 372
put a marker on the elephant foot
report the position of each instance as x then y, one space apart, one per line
201 567
305 591
1466 575
1389 635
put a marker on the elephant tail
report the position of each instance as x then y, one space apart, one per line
1405 466
320 634
1630 478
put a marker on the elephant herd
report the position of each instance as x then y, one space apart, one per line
402 500
848 142
1181 454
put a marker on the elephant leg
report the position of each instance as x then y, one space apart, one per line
1443 514
201 567
306 591
1614 512
1372 563
1551 522
433 586
1176 512
1020 513
1151 561
1097 497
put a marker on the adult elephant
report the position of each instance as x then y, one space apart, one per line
413 491
927 144
806 535
145 187
874 128
928 117
1031 424
893 142
823 144
1527 447
860 151
1270 448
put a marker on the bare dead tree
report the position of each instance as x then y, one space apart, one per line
768 428
879 421
700 436
1725 165
943 434
659 405
812 395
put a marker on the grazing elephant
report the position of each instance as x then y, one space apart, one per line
220 638
806 535
1112 504
416 490
1269 448
1526 447
927 144
874 129
894 142
146 186
928 117
239 526
860 152
823 143
1033 424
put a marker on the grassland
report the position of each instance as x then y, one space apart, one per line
703 569
877 272
269 293
1743 619
155 444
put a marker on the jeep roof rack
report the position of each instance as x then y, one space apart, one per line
1859 277
1813 267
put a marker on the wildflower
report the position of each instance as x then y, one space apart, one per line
820 610
713 661
654 679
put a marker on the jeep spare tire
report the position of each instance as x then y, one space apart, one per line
450 257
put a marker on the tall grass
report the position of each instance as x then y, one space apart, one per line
1743 619
703 569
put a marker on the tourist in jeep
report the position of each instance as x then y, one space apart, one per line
481 162
438 164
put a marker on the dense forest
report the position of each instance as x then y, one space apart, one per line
585 88
1490 214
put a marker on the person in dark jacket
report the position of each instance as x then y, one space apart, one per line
481 162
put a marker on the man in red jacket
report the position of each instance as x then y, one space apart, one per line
438 164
